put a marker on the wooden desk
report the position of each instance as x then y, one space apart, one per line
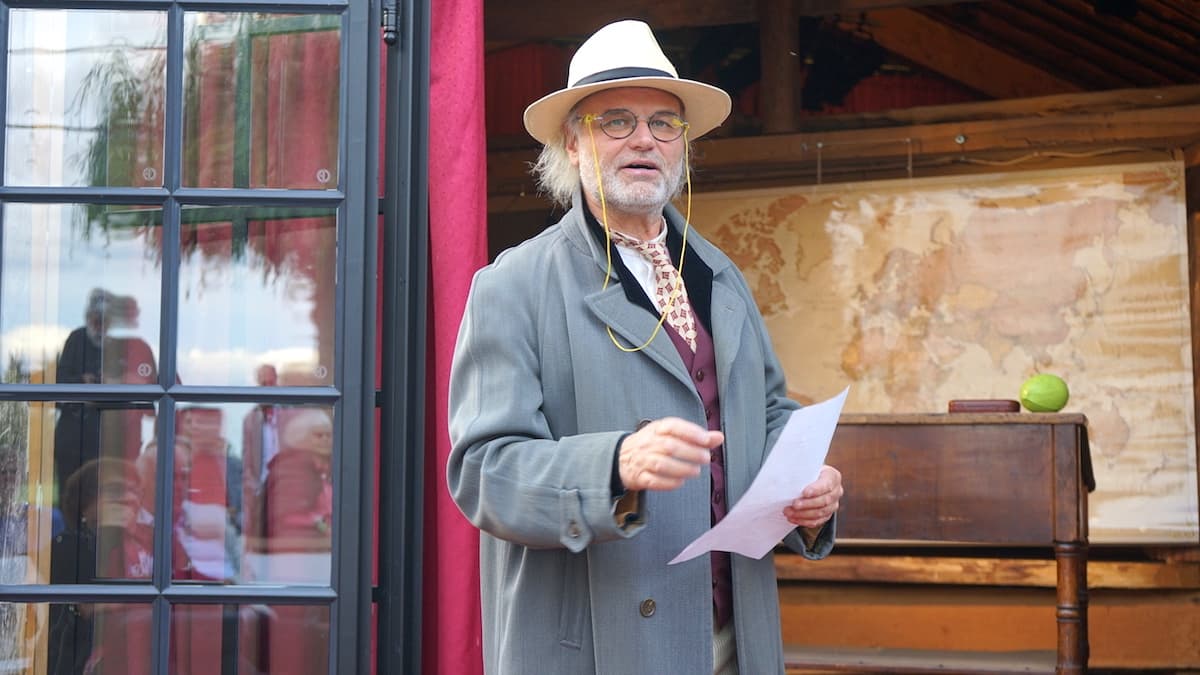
983 479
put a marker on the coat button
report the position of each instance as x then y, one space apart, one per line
641 423
647 608
573 529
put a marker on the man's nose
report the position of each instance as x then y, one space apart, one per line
641 136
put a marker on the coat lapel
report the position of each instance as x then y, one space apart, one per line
728 319
632 325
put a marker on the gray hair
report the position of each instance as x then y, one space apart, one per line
557 178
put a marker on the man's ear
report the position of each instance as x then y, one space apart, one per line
572 147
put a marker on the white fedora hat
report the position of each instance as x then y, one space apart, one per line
625 54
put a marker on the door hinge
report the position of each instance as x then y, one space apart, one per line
390 20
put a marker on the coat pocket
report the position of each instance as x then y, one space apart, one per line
572 594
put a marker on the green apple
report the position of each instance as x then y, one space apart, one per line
1044 393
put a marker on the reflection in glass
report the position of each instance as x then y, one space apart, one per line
76 638
257 295
79 288
251 640
105 493
86 93
76 505
109 526
28 521
261 100
253 494
208 498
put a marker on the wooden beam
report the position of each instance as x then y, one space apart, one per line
1000 142
1142 631
827 7
1159 127
780 55
506 21
971 571
537 20
1191 156
1115 100
959 57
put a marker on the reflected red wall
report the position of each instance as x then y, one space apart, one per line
291 95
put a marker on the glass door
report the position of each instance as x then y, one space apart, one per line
187 216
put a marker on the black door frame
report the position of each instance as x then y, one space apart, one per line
405 273
399 402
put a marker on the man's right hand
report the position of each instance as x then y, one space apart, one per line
664 453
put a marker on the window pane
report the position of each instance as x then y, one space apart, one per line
256 296
61 638
108 532
261 100
104 493
249 640
29 518
86 94
76 492
253 493
79 293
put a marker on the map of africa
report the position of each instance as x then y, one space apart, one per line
915 292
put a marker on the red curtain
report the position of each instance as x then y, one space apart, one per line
457 247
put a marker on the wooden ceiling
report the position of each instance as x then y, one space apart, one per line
994 49
1035 83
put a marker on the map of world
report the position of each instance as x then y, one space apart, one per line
916 292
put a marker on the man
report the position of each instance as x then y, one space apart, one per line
606 410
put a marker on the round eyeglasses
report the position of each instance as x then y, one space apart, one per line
620 123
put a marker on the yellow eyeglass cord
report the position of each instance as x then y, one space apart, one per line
687 222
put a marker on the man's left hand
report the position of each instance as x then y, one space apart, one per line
818 502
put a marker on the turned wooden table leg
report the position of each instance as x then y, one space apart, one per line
1072 607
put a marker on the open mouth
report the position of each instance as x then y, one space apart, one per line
641 168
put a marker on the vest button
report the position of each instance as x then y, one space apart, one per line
699 375
646 609
641 423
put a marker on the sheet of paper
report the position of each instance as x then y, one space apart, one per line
756 523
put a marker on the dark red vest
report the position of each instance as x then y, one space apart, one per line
702 366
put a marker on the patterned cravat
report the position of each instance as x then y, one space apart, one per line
679 311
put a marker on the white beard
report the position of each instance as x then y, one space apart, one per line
630 196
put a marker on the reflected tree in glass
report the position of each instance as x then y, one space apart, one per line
243 127
129 95
85 98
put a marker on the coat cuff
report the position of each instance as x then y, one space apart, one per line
821 546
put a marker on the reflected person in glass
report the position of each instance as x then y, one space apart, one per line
260 444
93 355
299 529
300 484
208 497
108 538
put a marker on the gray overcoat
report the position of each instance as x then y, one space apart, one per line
539 397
